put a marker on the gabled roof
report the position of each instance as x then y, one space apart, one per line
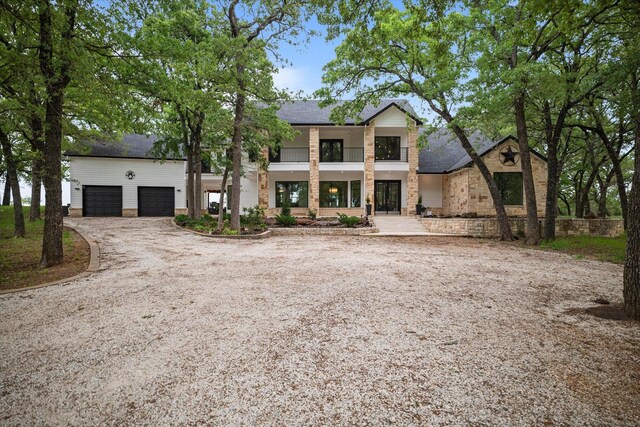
132 146
308 112
445 154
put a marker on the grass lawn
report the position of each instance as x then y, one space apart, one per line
610 249
20 258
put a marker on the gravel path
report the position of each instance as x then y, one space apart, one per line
177 328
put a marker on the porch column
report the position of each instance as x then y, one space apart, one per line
412 176
263 182
314 169
369 164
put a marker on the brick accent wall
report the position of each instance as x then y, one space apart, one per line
412 177
314 168
369 163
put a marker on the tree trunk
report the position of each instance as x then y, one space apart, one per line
533 227
614 156
196 140
56 70
12 175
6 198
191 206
223 188
501 213
36 188
604 190
631 290
237 153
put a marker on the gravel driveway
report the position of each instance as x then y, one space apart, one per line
177 328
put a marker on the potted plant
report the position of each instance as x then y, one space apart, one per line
419 205
368 205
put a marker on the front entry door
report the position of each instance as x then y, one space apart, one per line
387 196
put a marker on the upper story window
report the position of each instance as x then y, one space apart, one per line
331 150
510 186
388 148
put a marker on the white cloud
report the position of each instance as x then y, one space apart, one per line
297 79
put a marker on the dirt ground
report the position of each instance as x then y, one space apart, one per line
182 329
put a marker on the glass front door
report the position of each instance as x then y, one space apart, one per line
387 196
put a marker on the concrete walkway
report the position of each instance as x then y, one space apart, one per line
398 225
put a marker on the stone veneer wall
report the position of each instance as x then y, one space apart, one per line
369 164
263 183
466 191
455 193
412 177
488 227
314 168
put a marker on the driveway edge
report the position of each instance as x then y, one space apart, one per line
94 265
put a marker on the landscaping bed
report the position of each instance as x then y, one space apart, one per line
254 223
20 258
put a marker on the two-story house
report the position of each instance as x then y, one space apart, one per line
327 168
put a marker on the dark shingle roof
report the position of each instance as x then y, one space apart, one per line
444 153
308 112
133 146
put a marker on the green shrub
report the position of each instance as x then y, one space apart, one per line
312 214
285 218
348 221
253 218
229 232
201 228
182 219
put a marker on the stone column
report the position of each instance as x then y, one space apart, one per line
369 164
412 176
314 169
263 182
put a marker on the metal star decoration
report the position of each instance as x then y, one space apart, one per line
509 156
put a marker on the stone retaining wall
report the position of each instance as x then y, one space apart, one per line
310 231
488 227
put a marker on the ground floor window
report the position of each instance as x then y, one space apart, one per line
293 193
355 194
333 194
510 186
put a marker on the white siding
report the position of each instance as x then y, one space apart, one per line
106 171
248 192
430 187
391 118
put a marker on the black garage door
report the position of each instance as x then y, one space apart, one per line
101 200
156 201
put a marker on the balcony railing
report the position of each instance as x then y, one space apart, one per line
290 155
348 154
400 154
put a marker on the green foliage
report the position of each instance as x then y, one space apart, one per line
253 218
285 218
182 219
611 249
230 232
312 214
348 221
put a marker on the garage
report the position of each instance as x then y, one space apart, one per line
101 200
156 201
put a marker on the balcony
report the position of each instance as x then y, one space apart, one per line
290 155
345 154
397 154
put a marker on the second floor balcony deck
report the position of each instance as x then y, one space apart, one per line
343 155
